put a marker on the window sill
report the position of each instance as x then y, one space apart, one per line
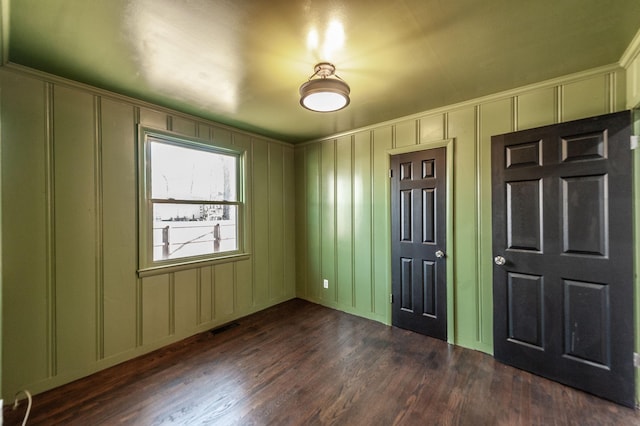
166 269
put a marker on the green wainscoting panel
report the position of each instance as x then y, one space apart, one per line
405 134
244 291
260 236
495 118
224 292
119 228
344 223
328 220
313 222
432 128
290 258
362 224
224 136
585 98
157 309
301 268
186 301
205 280
382 142
537 108
461 126
27 328
276 222
203 131
154 119
76 226
184 126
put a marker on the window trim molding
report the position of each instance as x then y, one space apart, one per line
146 265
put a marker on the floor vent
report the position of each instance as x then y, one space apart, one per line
224 328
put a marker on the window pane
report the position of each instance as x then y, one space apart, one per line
184 230
182 173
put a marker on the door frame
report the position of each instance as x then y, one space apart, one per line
448 144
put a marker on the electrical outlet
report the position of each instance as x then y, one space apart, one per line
325 283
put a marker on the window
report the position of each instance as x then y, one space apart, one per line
191 201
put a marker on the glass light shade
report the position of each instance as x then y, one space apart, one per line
324 95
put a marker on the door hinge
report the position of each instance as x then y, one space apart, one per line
390 173
391 298
634 141
636 360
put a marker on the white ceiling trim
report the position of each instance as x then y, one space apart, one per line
632 51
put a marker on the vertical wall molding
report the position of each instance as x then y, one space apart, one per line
478 221
560 103
51 231
445 125
611 91
172 304
139 324
283 223
352 140
336 271
269 236
99 227
214 311
316 282
253 227
372 221
199 296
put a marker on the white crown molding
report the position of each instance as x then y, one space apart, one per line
632 51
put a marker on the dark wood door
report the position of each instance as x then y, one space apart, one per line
418 249
562 241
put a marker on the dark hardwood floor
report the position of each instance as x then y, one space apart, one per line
302 364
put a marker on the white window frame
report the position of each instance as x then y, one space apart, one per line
146 264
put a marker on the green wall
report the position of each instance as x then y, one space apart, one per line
72 301
342 197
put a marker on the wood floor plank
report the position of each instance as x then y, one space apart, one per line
299 363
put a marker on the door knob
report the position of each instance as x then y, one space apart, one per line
499 260
439 253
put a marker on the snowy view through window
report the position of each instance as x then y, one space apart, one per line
194 196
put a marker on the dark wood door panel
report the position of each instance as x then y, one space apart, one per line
563 299
418 233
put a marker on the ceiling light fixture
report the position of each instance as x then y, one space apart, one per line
324 94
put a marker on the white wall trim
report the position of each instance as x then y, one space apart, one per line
631 52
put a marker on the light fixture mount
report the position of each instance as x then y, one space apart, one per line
324 94
324 70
